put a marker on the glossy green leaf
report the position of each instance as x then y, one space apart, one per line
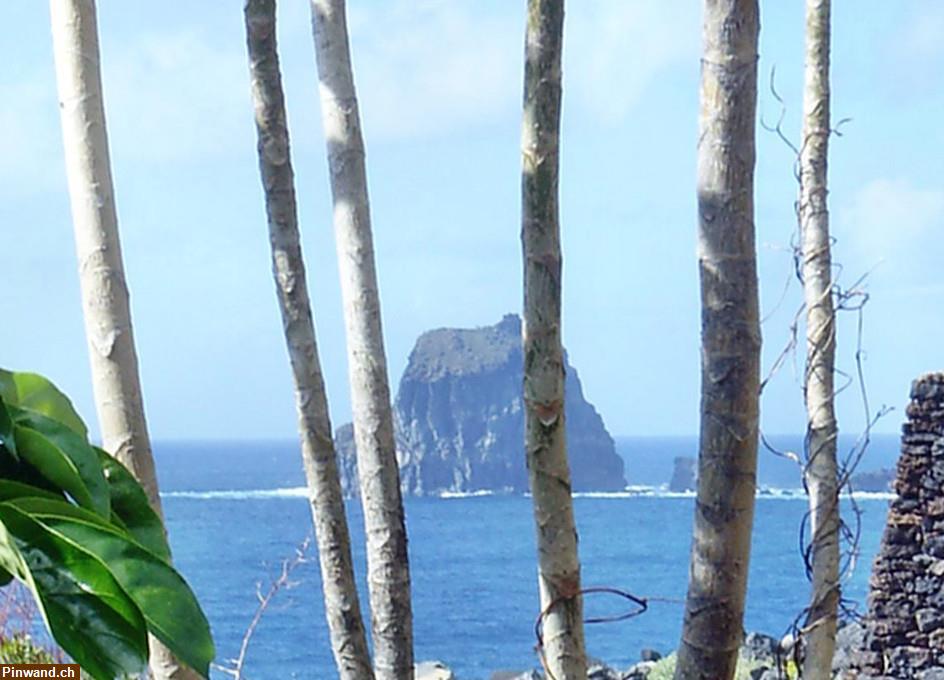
6 430
63 457
164 598
11 490
8 387
19 471
130 508
100 570
36 393
90 615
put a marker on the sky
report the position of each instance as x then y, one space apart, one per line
440 85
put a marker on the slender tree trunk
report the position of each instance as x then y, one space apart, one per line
342 607
379 478
731 344
821 470
105 301
563 650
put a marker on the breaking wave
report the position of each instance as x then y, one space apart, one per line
240 495
639 491
469 494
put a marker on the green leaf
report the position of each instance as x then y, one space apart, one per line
19 471
88 613
36 393
8 387
10 490
130 507
164 598
62 457
6 429
11 561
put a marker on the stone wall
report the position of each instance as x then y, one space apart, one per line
905 623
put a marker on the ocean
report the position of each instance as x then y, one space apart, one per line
236 510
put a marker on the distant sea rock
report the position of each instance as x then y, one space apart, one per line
459 419
877 481
683 475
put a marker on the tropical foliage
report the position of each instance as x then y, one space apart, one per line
77 530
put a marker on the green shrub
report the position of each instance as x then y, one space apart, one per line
20 648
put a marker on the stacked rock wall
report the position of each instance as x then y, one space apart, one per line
905 624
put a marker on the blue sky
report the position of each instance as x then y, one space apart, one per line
440 89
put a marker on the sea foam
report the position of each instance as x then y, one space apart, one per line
637 491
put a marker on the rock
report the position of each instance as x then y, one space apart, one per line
929 619
347 462
684 477
649 655
786 645
766 674
600 671
935 546
459 419
516 675
432 670
905 659
640 671
876 481
847 675
760 648
850 638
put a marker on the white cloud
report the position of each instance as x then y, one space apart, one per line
894 222
425 69
614 50
435 66
174 95
168 97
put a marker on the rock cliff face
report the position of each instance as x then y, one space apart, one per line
684 475
459 419
876 481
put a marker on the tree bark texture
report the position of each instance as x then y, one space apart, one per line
105 300
821 469
342 607
731 343
379 478
563 650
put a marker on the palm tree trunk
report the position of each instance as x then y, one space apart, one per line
105 301
378 474
342 607
563 650
727 467
821 469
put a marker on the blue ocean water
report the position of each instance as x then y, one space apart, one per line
234 511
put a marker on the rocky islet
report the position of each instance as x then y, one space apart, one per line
459 419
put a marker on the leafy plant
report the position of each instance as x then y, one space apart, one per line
77 530
20 648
